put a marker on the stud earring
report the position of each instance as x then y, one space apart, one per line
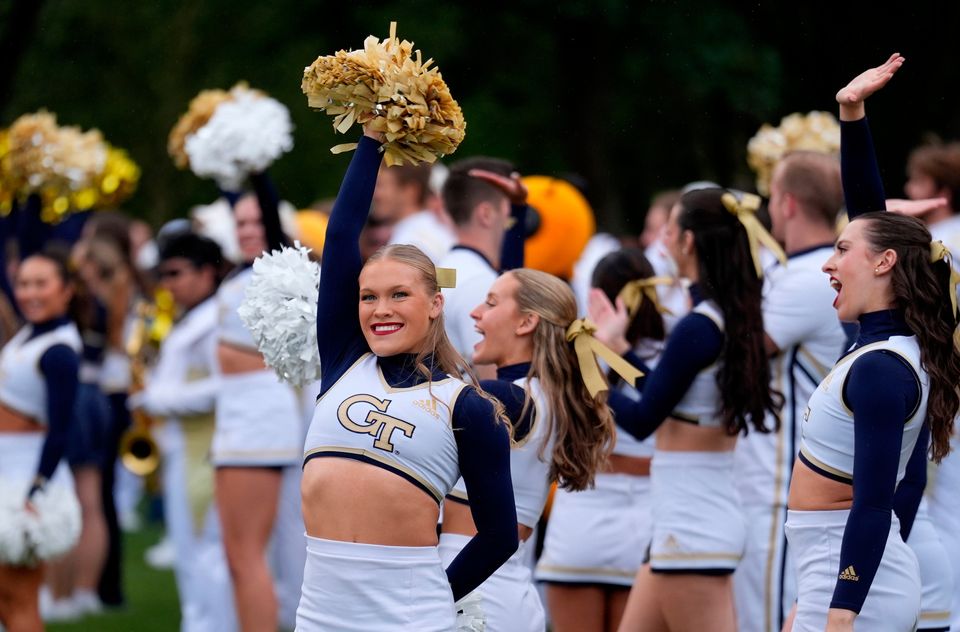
876 270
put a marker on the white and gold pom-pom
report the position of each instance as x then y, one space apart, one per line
470 617
245 135
280 310
388 86
814 131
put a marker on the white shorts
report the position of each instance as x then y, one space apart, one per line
258 422
698 524
893 603
508 598
936 573
54 528
599 535
351 587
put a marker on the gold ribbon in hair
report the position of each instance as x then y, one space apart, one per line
939 252
745 209
446 277
580 332
634 292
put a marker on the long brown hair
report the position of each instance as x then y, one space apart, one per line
728 277
583 426
437 345
922 290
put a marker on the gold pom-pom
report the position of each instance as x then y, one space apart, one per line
815 131
388 86
198 114
118 180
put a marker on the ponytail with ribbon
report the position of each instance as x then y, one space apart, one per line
587 348
745 210
939 252
634 292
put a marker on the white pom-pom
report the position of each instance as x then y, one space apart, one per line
280 310
49 531
244 135
470 617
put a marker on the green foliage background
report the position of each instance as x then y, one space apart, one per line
634 97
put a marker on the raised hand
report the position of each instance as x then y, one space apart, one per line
512 187
916 208
852 96
611 320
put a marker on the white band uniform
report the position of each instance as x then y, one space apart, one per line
698 524
400 588
893 603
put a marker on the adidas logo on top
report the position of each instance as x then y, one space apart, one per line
849 574
429 405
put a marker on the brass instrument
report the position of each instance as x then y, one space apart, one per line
139 452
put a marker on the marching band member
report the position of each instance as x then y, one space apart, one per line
394 429
182 389
38 385
697 402
804 339
867 420
596 537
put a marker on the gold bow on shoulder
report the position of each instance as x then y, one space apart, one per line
939 252
634 292
745 209
580 332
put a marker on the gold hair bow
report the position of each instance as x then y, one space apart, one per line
939 252
634 292
446 277
580 332
745 209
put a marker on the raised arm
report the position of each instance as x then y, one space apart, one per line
862 186
339 338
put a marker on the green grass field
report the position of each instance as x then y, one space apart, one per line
152 604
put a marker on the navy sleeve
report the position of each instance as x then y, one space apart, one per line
512 397
882 391
483 448
909 492
862 186
339 338
60 366
512 252
269 201
694 345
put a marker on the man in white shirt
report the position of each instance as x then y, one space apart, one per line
401 198
481 214
181 389
804 338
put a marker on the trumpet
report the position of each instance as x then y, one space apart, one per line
139 452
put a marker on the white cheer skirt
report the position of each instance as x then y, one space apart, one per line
258 422
351 587
698 524
936 572
599 535
893 603
508 598
54 527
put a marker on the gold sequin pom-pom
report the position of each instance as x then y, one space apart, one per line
815 131
388 86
